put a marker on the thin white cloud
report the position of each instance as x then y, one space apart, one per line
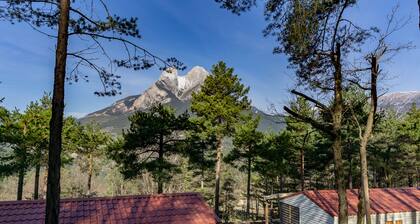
75 114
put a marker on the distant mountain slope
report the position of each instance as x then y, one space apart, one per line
172 90
401 102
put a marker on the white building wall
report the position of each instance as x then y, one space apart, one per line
309 212
405 217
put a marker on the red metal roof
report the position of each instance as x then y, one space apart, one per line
382 200
182 208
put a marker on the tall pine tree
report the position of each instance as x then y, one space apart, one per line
301 133
247 143
86 21
90 142
152 138
219 107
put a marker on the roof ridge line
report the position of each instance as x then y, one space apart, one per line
117 197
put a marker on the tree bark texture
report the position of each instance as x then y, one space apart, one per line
337 125
52 209
217 178
90 174
248 188
302 170
365 139
21 177
160 181
36 183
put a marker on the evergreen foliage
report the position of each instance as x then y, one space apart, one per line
89 143
247 143
152 138
63 20
219 107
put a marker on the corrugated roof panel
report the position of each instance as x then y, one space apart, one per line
186 208
382 200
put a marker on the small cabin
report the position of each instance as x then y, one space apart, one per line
387 206
181 208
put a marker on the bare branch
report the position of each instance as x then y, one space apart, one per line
358 84
99 70
326 128
125 42
40 31
316 102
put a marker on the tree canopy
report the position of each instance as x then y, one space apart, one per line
153 137
219 106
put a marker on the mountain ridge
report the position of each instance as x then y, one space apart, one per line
401 102
176 91
170 89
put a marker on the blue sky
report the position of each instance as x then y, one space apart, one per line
197 32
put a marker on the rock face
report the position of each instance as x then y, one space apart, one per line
401 102
171 89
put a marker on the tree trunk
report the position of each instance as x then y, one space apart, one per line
364 198
160 181
256 208
337 122
340 182
20 183
45 180
410 180
248 188
418 2
52 209
350 173
90 174
266 213
364 141
302 169
417 177
302 161
36 184
281 184
360 208
218 171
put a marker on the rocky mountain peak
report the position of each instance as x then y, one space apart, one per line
401 102
182 86
170 88
197 73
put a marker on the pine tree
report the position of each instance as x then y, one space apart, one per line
153 137
24 140
247 143
17 146
384 149
316 37
89 143
68 18
301 133
274 161
410 138
200 152
228 191
39 114
219 107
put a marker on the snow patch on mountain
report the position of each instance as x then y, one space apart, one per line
169 89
